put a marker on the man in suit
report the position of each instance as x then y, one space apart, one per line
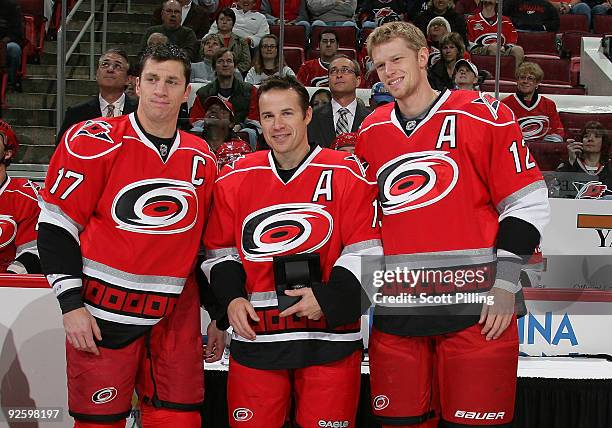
192 16
112 79
345 113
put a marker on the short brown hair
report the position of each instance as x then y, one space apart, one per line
600 130
286 83
398 29
453 39
219 54
166 52
531 68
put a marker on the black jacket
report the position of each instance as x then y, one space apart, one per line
197 19
532 15
438 77
11 25
322 129
456 21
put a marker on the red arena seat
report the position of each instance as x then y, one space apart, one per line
574 122
294 57
538 44
571 41
556 71
548 156
487 62
347 36
569 22
602 24
295 35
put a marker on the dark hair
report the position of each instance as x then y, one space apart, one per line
219 54
593 125
328 31
285 83
317 92
356 66
229 13
117 51
258 63
166 52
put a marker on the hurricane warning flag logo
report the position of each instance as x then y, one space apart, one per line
156 206
285 229
415 180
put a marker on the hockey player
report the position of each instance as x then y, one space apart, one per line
303 238
18 212
461 196
122 215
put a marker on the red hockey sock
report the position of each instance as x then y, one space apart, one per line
118 424
153 417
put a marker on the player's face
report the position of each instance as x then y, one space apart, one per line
401 69
526 83
449 52
342 77
283 122
162 89
112 72
465 76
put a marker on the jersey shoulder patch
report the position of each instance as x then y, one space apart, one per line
93 138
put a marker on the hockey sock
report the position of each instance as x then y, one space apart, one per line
153 417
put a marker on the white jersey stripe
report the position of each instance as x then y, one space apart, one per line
301 335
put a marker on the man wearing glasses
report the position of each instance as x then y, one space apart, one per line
112 79
344 113
314 72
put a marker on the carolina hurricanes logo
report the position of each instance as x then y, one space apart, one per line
534 127
242 414
8 230
489 38
285 229
416 180
156 206
592 190
104 395
95 129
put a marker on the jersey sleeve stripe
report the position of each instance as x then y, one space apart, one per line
509 123
214 257
322 165
62 283
17 267
53 214
28 247
529 204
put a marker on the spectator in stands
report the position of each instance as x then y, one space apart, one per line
532 15
231 151
482 34
452 49
437 28
380 96
536 115
192 16
11 35
320 97
157 39
171 27
467 7
249 24
224 27
345 112
20 211
112 78
242 95
371 11
591 154
345 142
218 123
445 9
203 71
333 13
295 13
314 72
266 62
465 75
586 8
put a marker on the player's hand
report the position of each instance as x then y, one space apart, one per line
497 317
306 307
238 312
574 150
213 350
81 327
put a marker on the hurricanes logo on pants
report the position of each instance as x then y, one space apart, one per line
415 180
242 414
285 229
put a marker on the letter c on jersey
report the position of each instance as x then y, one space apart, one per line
242 414
415 180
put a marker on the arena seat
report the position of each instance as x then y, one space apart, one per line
294 57
548 156
3 76
538 44
569 22
504 87
574 122
561 90
571 41
487 62
556 71
33 30
347 36
602 24
295 35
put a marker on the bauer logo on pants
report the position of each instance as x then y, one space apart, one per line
242 414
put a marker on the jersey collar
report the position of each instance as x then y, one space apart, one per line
301 168
415 124
175 144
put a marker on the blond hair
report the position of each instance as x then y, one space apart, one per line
530 68
397 30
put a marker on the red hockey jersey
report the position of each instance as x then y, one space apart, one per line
539 121
327 207
314 73
138 219
443 191
481 33
18 216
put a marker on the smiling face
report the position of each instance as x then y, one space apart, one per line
401 69
526 83
284 122
441 5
